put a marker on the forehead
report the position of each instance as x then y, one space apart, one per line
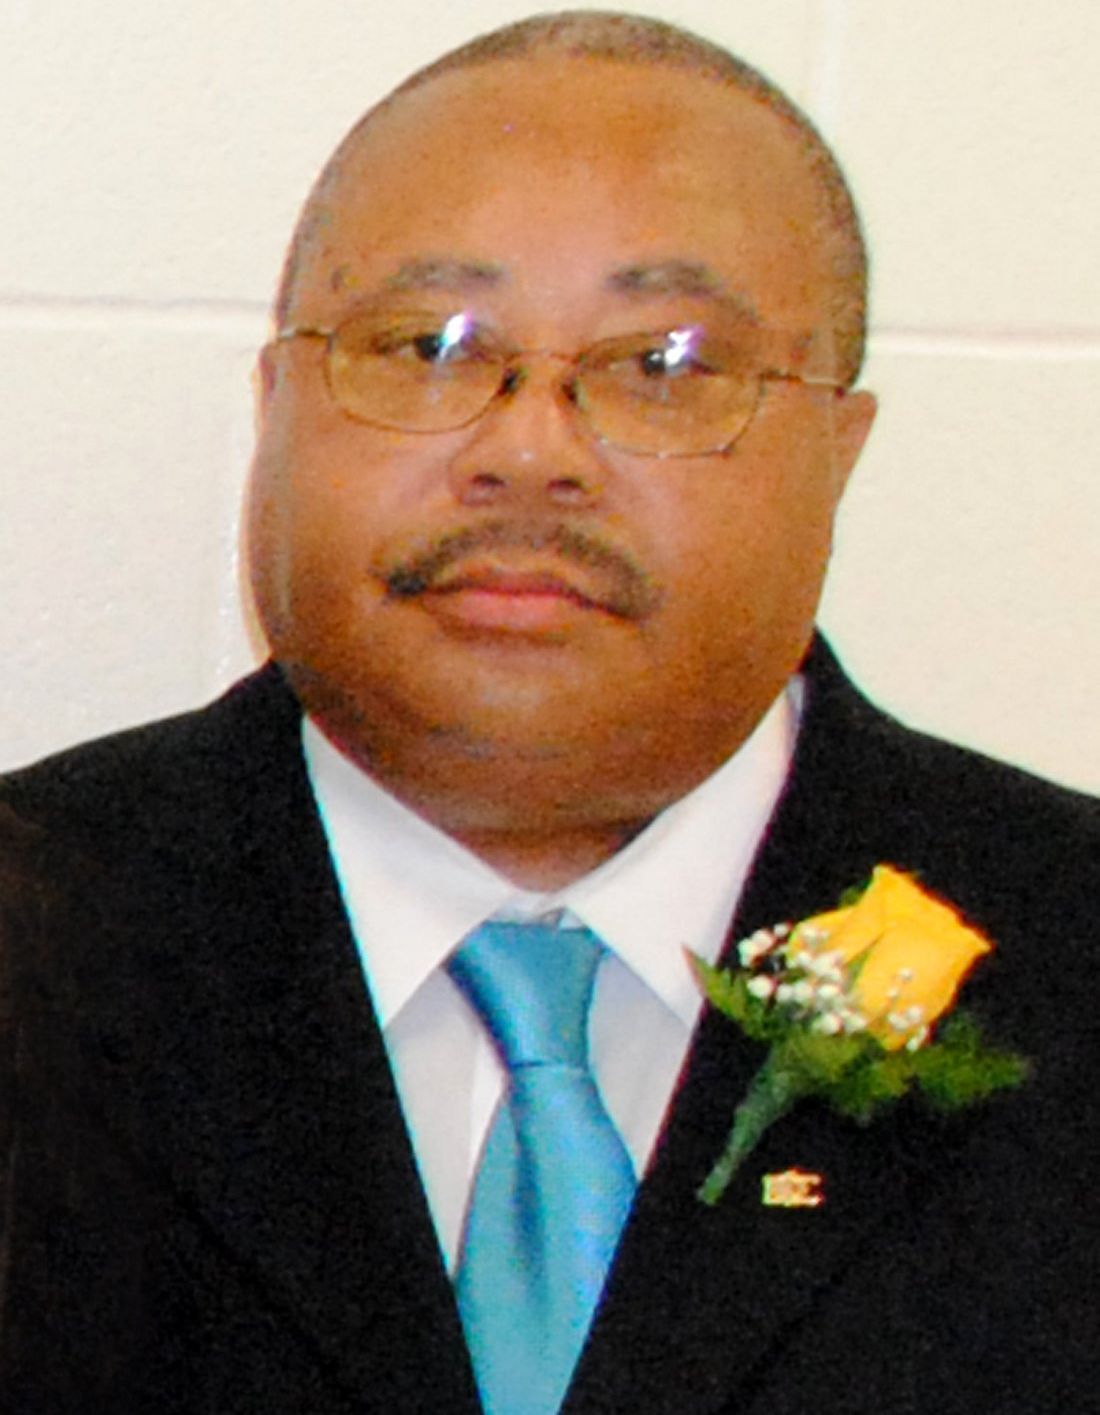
555 176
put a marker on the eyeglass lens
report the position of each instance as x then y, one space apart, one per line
680 391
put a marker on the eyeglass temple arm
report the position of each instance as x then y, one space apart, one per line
778 375
300 331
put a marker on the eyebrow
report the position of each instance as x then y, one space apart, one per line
679 277
430 273
665 277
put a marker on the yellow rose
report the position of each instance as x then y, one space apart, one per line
905 951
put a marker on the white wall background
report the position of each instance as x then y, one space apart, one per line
152 160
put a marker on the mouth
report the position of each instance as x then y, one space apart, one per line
522 599
516 579
523 577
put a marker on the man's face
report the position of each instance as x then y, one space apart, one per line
612 622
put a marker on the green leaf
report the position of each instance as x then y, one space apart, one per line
868 1088
853 894
727 990
717 984
951 1077
818 1062
958 1032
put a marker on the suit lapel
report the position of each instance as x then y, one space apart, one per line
284 1135
700 1299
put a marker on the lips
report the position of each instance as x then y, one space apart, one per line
523 564
512 598
511 581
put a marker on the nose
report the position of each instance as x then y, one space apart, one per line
530 443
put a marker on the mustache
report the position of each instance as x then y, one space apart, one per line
619 584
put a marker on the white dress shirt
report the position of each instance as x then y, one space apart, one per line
413 893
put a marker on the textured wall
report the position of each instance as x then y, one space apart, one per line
152 159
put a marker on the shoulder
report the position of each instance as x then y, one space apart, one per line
934 796
48 893
27 853
151 851
119 787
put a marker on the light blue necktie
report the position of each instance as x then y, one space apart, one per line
555 1182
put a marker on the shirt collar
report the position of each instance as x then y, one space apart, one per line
412 892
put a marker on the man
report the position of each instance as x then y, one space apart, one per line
554 426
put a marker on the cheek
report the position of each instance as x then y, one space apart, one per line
332 491
307 530
742 541
790 488
710 525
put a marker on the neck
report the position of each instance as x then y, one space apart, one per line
540 815
540 828
545 862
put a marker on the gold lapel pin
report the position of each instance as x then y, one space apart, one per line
793 1189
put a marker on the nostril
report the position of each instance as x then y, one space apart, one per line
484 485
568 489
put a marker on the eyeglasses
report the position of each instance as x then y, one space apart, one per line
682 392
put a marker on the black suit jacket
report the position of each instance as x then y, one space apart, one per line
211 1204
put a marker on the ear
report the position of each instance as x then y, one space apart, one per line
853 414
264 373
263 385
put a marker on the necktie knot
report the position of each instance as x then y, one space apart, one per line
532 985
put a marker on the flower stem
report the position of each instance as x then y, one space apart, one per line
771 1094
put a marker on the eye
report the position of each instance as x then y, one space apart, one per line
659 369
654 362
676 355
429 347
430 341
690 351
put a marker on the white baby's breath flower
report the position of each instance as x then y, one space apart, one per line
905 1019
750 950
812 936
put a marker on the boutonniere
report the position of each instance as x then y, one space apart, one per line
848 1001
